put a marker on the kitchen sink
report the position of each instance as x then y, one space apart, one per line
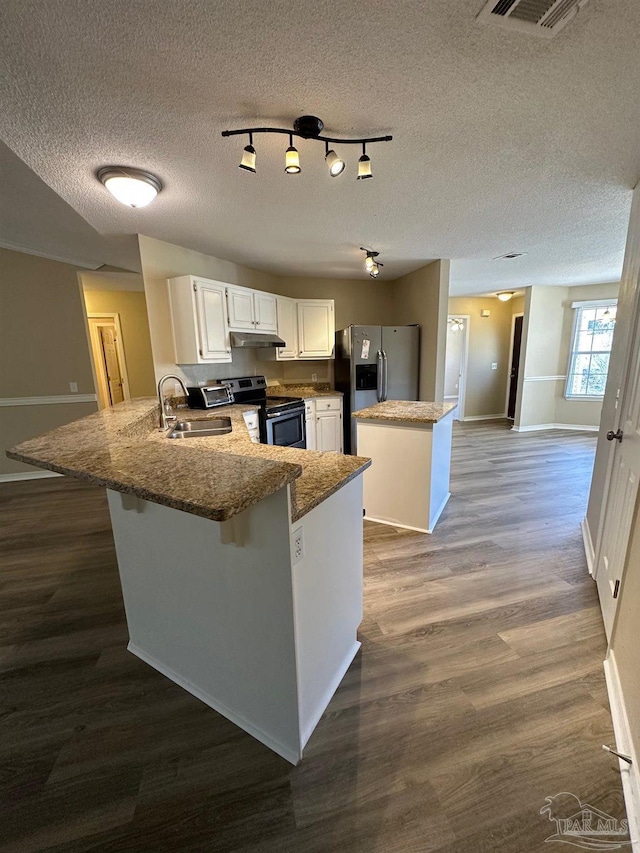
196 429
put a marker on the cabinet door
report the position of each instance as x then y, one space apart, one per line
264 305
328 431
310 423
212 321
240 307
287 311
316 328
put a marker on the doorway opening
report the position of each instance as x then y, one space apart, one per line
107 355
456 358
514 362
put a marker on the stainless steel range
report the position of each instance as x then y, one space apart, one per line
281 418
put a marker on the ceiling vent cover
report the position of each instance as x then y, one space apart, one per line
544 18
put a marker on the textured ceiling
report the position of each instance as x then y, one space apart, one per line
502 141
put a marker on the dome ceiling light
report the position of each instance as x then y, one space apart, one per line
132 187
307 127
505 295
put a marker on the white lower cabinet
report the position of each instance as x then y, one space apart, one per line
328 432
310 423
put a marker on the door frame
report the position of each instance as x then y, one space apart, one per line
513 331
102 387
464 361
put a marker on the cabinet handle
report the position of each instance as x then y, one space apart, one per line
201 353
195 287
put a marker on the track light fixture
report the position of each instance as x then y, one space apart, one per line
455 324
371 265
307 127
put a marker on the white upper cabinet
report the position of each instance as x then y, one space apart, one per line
264 305
316 328
251 310
199 319
287 313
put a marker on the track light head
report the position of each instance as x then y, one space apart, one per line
248 159
291 159
334 163
364 167
374 272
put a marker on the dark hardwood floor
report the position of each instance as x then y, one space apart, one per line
478 692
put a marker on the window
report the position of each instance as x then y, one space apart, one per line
589 360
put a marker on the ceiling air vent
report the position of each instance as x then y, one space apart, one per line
539 17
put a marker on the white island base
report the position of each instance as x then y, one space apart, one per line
230 613
407 484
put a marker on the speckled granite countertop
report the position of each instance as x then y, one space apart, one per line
308 391
406 410
215 477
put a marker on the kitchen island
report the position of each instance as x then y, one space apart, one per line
410 445
240 563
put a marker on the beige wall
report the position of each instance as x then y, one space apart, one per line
132 309
43 347
489 340
547 334
423 297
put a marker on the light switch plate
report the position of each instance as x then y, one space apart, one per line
494 365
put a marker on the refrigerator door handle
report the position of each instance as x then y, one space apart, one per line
379 377
385 387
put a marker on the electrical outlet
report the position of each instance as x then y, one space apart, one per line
494 365
298 545
73 387
314 377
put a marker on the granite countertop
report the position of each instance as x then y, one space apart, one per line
413 411
307 390
216 477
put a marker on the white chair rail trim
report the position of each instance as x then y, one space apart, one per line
47 401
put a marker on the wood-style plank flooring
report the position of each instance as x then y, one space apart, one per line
478 692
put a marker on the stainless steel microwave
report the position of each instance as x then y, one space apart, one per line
208 396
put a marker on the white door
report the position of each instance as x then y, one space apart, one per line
107 356
316 328
212 325
623 489
328 431
240 306
264 305
287 311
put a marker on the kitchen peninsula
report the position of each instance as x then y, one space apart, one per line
410 445
240 563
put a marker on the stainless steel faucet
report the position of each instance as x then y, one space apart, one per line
164 417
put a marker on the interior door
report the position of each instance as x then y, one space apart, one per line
112 364
623 490
515 366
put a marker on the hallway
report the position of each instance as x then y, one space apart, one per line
478 692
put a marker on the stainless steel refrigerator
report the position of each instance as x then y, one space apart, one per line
373 364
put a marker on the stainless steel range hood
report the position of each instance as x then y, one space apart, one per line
245 340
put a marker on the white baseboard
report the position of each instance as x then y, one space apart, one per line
466 418
27 475
538 427
434 521
588 545
245 725
331 689
629 773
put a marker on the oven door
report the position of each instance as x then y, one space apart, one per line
286 429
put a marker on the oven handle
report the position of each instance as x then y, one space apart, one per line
300 411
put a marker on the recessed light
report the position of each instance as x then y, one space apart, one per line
132 187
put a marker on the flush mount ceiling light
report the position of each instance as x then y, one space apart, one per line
307 127
132 187
505 295
371 265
